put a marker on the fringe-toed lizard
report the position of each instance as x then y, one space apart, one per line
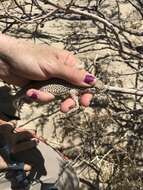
59 88
63 89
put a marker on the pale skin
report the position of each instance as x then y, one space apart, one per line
22 61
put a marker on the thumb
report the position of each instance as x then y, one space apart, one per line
76 76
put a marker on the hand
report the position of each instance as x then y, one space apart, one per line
23 61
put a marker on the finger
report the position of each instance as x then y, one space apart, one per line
37 95
76 76
85 99
70 70
67 105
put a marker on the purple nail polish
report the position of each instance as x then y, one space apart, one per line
34 96
89 79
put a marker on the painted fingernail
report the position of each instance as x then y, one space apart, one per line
89 79
34 96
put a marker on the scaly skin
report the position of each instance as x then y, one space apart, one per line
59 88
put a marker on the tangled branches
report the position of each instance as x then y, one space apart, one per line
107 36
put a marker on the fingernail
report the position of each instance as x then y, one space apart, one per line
89 79
34 96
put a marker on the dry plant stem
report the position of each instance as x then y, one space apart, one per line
133 73
33 20
124 90
89 15
136 7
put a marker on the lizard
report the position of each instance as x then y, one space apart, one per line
63 89
59 88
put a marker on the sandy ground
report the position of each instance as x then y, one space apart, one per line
36 116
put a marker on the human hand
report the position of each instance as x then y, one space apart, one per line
22 61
